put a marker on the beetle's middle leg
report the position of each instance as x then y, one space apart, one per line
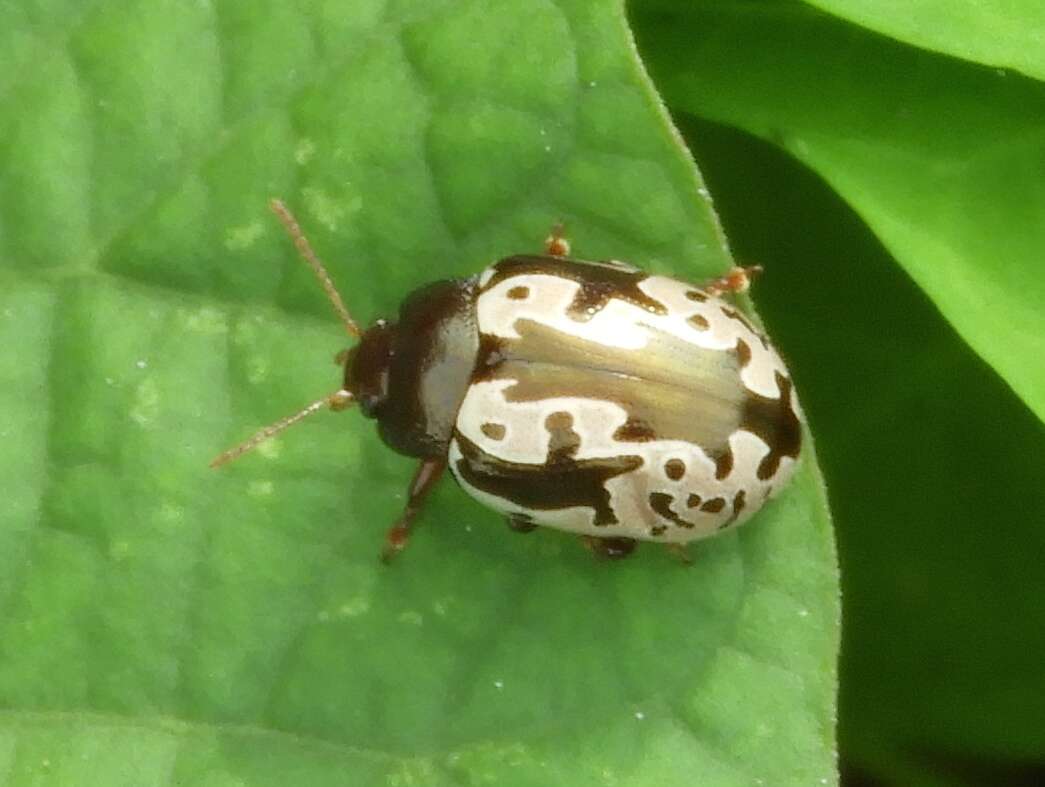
614 548
737 280
428 473
556 244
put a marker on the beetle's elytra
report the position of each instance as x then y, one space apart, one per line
583 396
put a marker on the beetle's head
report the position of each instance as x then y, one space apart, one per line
367 367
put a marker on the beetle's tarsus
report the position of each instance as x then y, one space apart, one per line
428 473
680 553
610 548
556 243
738 280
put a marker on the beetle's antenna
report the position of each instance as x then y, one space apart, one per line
338 400
306 252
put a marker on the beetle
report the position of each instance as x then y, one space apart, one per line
584 396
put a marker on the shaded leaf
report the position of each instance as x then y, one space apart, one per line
934 470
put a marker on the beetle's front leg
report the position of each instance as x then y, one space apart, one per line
428 473
737 280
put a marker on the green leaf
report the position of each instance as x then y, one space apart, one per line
942 159
937 497
163 623
1004 33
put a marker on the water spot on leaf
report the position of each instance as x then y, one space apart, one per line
270 449
119 550
304 152
257 370
170 512
259 488
146 401
328 211
205 320
240 238
355 607
412 617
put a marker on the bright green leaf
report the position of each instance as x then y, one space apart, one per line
942 159
166 624
1004 33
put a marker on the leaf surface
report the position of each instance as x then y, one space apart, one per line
166 624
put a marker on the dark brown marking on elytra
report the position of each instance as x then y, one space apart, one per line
699 321
634 431
775 423
674 469
693 500
599 282
739 501
563 441
733 314
714 505
696 295
661 502
518 293
723 459
521 523
658 530
743 353
492 430
565 483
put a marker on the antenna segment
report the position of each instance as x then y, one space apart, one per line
307 254
338 400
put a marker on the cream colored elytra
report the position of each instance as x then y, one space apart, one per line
651 411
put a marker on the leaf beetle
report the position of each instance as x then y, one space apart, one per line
589 397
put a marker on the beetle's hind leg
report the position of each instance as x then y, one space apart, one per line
612 548
680 553
428 473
